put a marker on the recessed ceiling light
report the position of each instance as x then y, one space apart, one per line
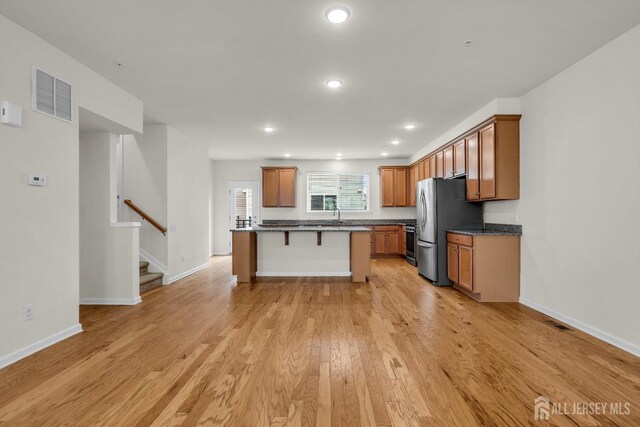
410 126
384 153
287 155
337 14
395 142
269 129
333 84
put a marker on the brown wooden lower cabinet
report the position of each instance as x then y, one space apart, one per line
485 267
388 240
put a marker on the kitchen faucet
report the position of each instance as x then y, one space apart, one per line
335 208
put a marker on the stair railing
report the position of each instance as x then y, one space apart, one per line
146 217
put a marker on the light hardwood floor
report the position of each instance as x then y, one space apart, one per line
395 351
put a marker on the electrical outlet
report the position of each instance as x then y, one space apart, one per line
28 312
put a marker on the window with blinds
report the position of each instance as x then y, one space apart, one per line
328 190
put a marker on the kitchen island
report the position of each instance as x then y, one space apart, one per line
342 251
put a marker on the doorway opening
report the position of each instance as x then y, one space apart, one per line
244 205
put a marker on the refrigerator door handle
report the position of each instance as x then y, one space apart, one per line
423 210
424 244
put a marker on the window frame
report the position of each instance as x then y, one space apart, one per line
338 175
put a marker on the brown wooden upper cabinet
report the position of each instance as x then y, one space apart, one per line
448 162
413 179
393 186
493 160
439 165
431 167
279 187
489 156
459 158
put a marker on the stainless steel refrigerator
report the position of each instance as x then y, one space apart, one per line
441 205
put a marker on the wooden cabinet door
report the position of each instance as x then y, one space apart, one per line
439 165
452 262
270 188
287 188
473 183
403 240
413 179
400 187
487 162
393 243
380 242
465 267
448 162
432 167
420 167
386 187
459 158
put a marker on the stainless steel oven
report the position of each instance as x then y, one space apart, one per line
411 244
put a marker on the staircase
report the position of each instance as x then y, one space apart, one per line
148 280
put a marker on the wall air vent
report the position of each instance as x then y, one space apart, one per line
52 96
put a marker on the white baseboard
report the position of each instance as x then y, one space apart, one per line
187 273
110 301
303 273
604 336
39 345
157 265
220 253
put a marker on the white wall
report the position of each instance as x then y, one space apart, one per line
225 171
109 272
145 184
188 197
167 175
580 192
39 255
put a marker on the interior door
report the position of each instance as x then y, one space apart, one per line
244 202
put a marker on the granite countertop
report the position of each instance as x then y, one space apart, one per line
332 222
344 228
492 230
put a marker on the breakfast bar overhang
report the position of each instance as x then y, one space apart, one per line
342 251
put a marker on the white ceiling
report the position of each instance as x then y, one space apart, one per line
221 70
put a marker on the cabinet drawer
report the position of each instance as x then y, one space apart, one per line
386 228
460 239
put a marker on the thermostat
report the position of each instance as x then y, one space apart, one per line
37 180
10 114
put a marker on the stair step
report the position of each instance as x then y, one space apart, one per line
149 281
144 267
150 277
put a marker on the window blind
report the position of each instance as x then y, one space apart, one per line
327 190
